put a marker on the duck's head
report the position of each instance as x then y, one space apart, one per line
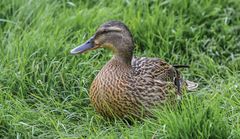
113 35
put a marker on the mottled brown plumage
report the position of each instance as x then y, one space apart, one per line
128 86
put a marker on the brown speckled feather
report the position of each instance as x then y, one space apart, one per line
122 90
154 67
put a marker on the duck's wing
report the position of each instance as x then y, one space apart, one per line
150 91
154 68
160 70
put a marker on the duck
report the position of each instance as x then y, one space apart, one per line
129 86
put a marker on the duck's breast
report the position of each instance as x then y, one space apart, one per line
109 92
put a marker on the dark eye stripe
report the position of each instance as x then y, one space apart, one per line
102 31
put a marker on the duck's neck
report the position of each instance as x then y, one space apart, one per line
123 57
123 52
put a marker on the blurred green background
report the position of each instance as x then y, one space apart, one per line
44 89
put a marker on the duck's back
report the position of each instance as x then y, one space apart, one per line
155 68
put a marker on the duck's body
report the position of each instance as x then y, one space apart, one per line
128 86
122 90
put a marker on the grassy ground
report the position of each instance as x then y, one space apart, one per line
44 90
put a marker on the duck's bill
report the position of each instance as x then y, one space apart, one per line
88 45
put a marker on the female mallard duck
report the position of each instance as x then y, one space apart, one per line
128 86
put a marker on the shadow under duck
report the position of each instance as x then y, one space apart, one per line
128 86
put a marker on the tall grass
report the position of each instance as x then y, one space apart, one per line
44 90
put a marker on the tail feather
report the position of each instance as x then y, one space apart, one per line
181 66
191 86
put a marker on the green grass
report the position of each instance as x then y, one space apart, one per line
44 89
